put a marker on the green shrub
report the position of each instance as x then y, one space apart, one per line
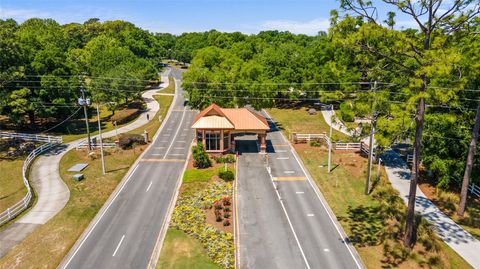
226 175
315 143
230 158
127 141
200 156
346 112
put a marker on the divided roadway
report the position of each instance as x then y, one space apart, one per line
284 221
125 232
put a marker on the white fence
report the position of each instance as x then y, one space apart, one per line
84 144
33 137
21 205
300 138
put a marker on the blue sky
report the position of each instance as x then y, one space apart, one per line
177 16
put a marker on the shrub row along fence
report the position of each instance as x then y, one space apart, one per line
51 141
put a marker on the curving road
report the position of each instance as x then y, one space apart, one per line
130 227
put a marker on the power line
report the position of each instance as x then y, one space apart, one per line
69 117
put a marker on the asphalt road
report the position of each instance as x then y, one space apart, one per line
126 231
283 223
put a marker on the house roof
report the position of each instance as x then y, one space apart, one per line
215 117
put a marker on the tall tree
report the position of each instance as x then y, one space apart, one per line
433 17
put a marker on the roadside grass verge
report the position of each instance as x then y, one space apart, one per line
181 251
210 241
47 245
299 121
374 223
171 87
12 188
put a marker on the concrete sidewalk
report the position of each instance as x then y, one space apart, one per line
52 193
331 119
467 246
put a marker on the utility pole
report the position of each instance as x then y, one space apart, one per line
371 142
330 144
85 102
370 155
101 141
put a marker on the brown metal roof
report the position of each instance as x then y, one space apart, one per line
241 118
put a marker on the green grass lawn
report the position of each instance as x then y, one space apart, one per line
181 251
299 121
12 188
171 86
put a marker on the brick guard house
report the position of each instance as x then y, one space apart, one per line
217 127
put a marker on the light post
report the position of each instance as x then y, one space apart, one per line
330 142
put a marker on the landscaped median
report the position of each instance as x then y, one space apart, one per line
374 223
202 219
47 245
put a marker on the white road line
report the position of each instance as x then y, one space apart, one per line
179 148
159 147
299 192
186 129
283 158
156 154
280 151
326 250
317 193
310 215
289 222
176 133
289 172
181 141
166 135
118 246
177 154
149 185
101 216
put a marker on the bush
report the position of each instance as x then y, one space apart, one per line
202 160
226 223
315 143
226 215
127 141
346 112
226 201
230 158
226 175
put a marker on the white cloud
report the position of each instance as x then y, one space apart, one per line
311 27
22 14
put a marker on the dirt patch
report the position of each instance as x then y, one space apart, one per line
210 214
